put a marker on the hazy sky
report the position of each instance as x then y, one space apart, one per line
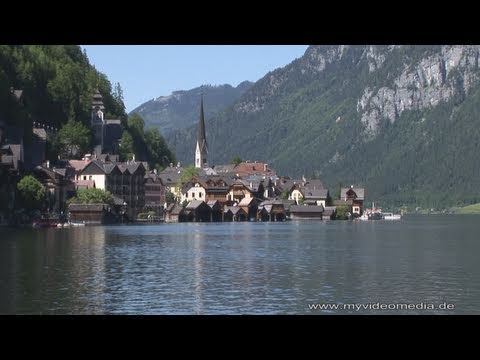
149 71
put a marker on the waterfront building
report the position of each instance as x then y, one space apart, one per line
352 197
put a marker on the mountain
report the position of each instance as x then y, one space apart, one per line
181 109
403 121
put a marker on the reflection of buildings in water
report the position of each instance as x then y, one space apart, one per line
198 249
88 275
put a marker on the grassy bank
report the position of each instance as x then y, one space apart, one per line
470 209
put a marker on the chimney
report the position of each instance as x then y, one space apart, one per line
265 167
155 171
171 164
48 164
133 158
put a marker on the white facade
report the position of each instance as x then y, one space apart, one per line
295 195
196 192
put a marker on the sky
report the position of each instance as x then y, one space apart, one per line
149 71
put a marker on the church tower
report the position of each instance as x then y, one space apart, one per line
98 120
201 149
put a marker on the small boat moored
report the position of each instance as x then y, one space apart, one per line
391 216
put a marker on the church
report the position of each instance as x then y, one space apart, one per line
107 132
201 149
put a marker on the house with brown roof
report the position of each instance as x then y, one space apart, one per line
352 197
246 168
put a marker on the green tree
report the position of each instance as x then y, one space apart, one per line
188 173
169 197
136 126
73 139
92 196
118 95
236 160
343 212
31 191
127 148
284 195
159 154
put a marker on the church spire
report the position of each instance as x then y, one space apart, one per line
201 138
201 149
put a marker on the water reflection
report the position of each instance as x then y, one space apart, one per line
239 268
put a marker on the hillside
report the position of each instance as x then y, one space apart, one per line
400 120
57 83
180 109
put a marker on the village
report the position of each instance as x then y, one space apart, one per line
242 191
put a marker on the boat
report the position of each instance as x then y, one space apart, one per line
375 216
363 217
391 216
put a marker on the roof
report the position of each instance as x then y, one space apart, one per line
40 132
314 184
86 207
250 168
245 201
360 192
306 209
60 171
201 137
194 204
78 165
109 167
233 209
224 168
176 210
315 194
342 202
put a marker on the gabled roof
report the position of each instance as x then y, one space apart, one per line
94 167
78 165
192 205
246 201
176 210
234 210
359 193
249 168
315 194
306 209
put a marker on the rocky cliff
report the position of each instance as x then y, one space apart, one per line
401 120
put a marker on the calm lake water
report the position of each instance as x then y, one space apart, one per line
244 268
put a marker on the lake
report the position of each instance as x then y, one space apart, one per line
305 267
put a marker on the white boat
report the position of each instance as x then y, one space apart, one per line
391 216
363 217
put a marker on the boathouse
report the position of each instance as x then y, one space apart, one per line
306 212
198 211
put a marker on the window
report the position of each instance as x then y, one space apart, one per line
90 177
85 177
199 195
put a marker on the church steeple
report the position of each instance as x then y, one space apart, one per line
201 149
